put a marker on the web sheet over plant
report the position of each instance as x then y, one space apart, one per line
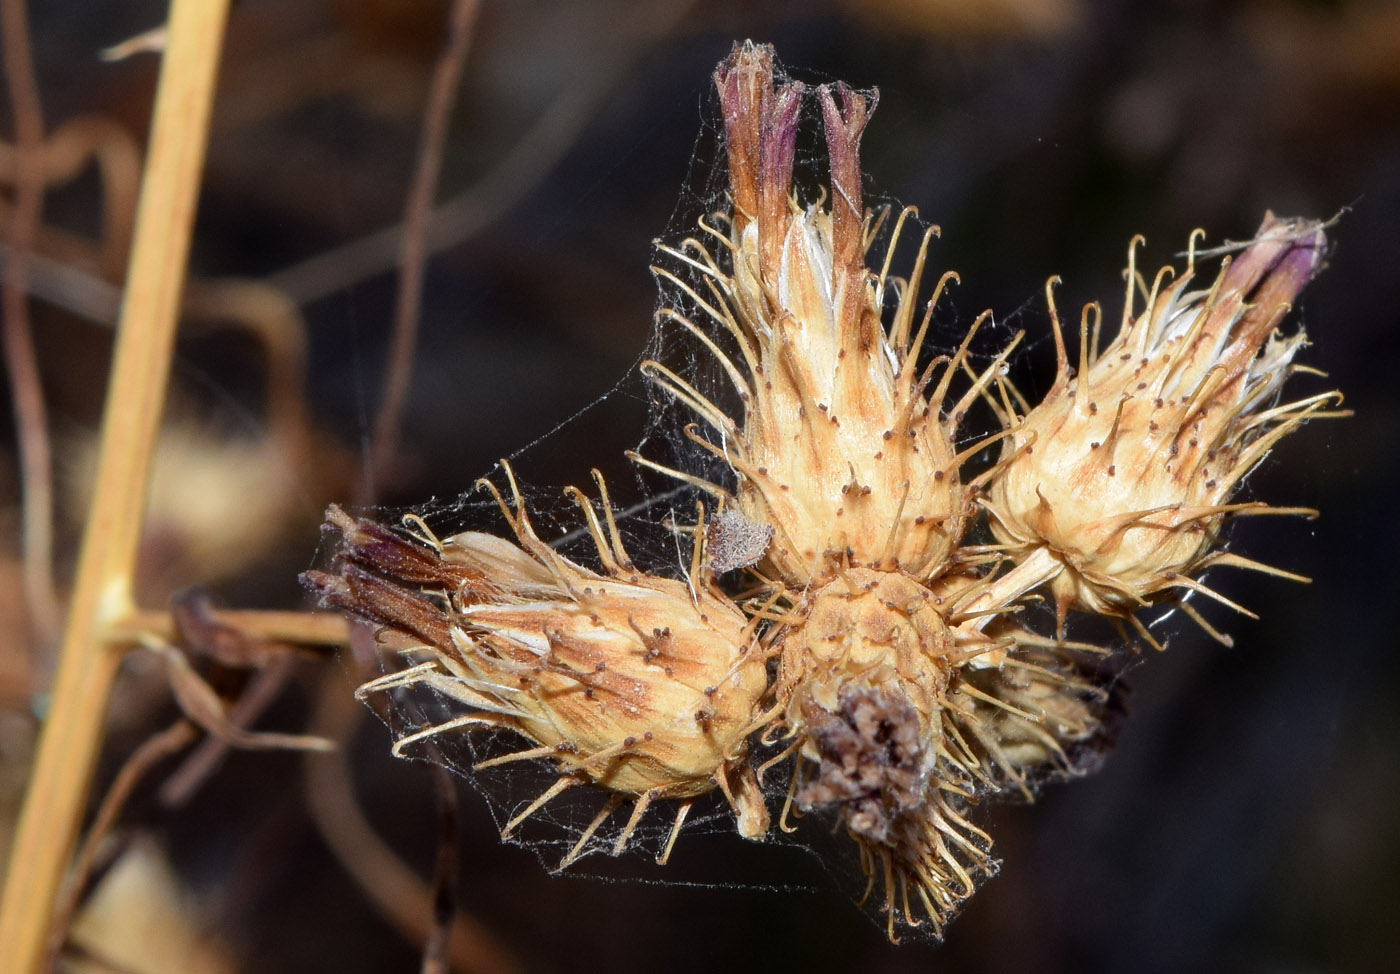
855 609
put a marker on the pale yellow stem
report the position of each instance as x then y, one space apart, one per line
1039 567
72 734
301 628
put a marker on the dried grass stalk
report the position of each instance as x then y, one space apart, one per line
68 748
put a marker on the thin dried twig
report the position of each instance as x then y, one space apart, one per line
395 890
439 940
262 690
202 634
69 288
506 183
155 749
193 619
67 152
31 416
102 592
442 95
202 704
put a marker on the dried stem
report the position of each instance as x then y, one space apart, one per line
68 747
442 95
394 889
301 628
435 949
260 693
507 182
155 749
69 288
31 416
67 152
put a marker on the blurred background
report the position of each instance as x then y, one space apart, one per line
1249 819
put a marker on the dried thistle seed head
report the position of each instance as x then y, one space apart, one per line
907 702
1115 487
643 685
841 449
878 771
871 760
1045 713
907 687
865 678
651 687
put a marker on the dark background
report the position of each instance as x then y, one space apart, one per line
1249 819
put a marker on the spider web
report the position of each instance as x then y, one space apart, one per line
654 515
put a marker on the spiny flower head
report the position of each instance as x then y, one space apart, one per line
1124 471
644 685
840 449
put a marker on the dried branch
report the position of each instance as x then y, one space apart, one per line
300 628
391 886
65 154
31 416
155 749
201 704
261 691
88 664
506 183
435 949
442 95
